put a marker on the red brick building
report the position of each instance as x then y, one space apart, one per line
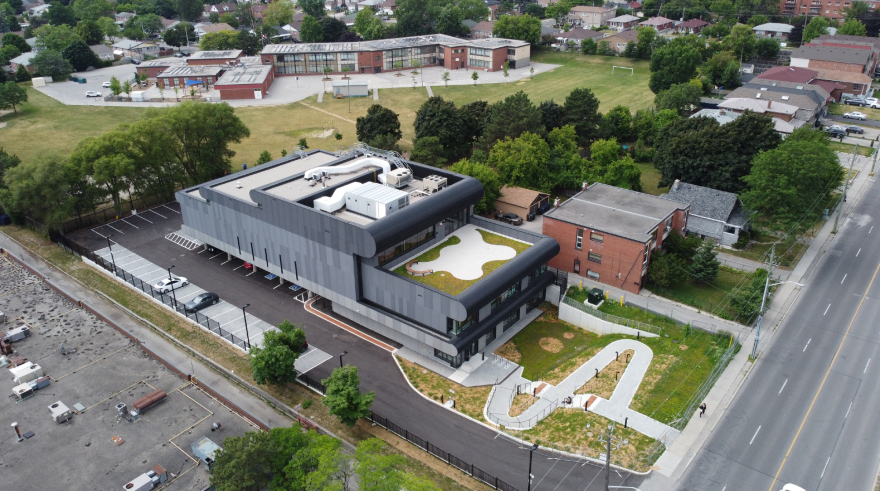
250 82
608 234
214 57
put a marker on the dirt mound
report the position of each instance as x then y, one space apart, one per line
568 335
552 345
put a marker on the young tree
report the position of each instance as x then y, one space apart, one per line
11 96
50 63
741 41
274 362
428 151
126 87
588 47
344 398
818 26
767 48
510 118
645 42
487 177
115 86
747 300
852 27
22 74
378 121
475 76
681 98
582 112
311 30
666 270
445 78
705 263
302 144
265 156
505 68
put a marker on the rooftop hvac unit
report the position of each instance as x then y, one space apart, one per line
375 200
434 183
121 409
399 177
205 449
17 334
140 483
60 412
26 373
23 391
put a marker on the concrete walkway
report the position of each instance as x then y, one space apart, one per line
465 260
616 409
739 263
430 92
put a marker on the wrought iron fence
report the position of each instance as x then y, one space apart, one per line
310 382
447 457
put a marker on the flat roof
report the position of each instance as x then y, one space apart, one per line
390 44
296 189
271 174
216 55
617 211
191 71
246 75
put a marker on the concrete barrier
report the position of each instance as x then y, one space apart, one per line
588 322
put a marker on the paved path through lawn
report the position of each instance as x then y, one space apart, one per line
616 409
465 260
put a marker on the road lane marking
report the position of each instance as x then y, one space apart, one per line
825 378
805 346
872 228
825 468
753 436
826 309
844 279
847 411
866 365
857 253
783 386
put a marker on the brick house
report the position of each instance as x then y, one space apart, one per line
619 41
520 201
575 36
482 30
587 17
623 22
773 30
659 23
853 83
846 59
693 26
608 234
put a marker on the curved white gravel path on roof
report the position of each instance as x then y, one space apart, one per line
465 260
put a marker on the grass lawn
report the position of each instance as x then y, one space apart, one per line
713 298
592 72
468 400
233 359
549 350
787 255
840 109
650 179
864 150
444 281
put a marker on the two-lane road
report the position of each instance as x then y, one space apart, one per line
807 412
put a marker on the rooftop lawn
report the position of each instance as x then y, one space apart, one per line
444 281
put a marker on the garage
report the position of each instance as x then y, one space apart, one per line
520 201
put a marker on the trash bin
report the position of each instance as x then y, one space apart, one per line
530 217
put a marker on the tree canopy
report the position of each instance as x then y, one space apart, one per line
681 98
273 363
487 177
522 27
582 112
815 28
344 397
379 122
510 118
675 63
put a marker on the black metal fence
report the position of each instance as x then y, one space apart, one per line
98 217
310 382
167 299
447 457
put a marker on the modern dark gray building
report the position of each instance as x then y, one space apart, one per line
340 225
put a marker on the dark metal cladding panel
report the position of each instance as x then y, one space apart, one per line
505 310
419 215
483 291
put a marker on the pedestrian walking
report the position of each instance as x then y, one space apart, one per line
702 409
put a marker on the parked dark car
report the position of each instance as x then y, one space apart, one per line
178 55
511 218
855 129
135 62
835 132
201 301
856 101
544 208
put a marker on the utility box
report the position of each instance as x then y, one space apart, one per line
17 334
149 400
39 383
434 183
206 451
60 412
23 391
595 296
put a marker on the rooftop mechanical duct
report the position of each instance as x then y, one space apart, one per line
351 167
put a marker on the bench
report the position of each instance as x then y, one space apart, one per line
414 272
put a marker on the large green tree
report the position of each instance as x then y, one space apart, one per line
852 27
12 39
582 112
791 180
80 56
189 10
681 98
314 8
37 189
55 37
50 63
344 398
332 29
60 14
220 40
311 30
91 9
109 27
522 27
705 263
510 118
273 363
379 122
817 27
702 152
279 13
90 32
487 177
428 150
741 42
11 96
675 63
523 162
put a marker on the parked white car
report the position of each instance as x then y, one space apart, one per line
168 284
92 93
855 115
106 85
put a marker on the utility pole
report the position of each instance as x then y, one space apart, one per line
763 300
608 464
874 162
845 186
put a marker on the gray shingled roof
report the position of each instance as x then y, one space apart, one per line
705 202
833 53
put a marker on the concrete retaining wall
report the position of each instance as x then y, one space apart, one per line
585 321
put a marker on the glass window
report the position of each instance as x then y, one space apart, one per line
454 327
596 258
538 272
535 301
592 274
510 320
577 266
579 240
455 361
504 297
490 336
597 237
409 243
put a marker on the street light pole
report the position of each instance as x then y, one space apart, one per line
110 247
845 186
246 333
531 451
173 295
340 358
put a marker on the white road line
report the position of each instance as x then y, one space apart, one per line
237 267
753 436
144 219
847 411
783 386
857 253
844 279
133 225
826 467
170 209
826 308
808 343
161 215
866 366
102 236
212 257
116 229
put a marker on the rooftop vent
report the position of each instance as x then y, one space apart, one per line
237 184
785 98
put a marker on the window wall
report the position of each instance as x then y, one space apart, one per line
406 57
314 62
410 243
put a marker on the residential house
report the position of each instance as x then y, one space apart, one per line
103 52
23 59
135 49
369 4
574 37
482 30
168 23
773 30
619 41
635 6
844 59
608 234
38 10
854 84
32 42
549 31
588 17
783 115
811 100
207 28
693 26
257 10
388 7
520 201
220 9
723 116
808 76
717 215
122 18
623 22
659 23
494 6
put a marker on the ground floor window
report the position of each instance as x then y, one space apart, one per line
577 266
511 320
490 336
535 301
454 327
455 361
592 274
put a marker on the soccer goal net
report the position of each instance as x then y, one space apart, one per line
622 68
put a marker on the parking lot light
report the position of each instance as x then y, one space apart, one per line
245 325
340 358
173 295
110 246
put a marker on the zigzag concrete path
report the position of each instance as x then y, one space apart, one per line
616 409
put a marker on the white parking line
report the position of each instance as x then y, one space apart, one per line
197 292
212 257
844 279
161 215
102 236
753 436
133 225
866 366
805 346
848 410
170 209
826 308
116 229
783 386
142 218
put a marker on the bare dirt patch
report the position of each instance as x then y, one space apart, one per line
568 335
552 345
683 347
508 350
608 377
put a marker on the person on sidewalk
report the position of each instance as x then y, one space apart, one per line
702 409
